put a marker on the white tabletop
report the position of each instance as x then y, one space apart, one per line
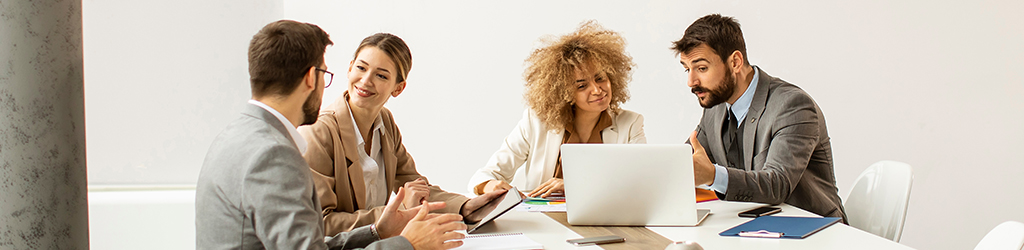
537 226
552 235
724 216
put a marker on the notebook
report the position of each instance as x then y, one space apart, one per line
498 242
781 227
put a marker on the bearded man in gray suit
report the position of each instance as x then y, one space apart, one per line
255 190
765 138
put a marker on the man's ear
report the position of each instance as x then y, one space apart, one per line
310 79
398 89
736 61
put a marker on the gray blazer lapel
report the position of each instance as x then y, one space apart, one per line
753 117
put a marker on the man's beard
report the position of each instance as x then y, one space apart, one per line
311 109
718 95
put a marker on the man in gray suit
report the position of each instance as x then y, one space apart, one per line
766 138
255 190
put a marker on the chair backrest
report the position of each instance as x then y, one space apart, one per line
1008 235
878 201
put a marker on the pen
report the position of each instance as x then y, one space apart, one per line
761 234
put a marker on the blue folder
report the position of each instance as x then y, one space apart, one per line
781 227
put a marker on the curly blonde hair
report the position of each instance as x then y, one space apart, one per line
550 71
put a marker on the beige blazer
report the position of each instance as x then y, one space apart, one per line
533 145
333 158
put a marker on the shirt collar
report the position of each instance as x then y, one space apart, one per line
296 137
742 105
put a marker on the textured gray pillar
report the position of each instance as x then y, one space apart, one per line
42 135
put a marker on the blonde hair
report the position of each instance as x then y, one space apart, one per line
550 71
394 47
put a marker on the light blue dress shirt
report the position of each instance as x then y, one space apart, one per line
739 109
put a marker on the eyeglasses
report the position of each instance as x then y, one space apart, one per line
328 76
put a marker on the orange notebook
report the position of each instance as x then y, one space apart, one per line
705 195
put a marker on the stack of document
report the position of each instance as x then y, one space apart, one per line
507 241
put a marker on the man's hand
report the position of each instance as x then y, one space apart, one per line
393 220
551 186
492 185
703 169
474 210
430 231
418 192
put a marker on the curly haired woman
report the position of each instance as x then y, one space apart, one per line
575 85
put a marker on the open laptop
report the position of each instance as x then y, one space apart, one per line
630 185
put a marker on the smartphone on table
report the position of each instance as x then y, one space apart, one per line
760 211
596 240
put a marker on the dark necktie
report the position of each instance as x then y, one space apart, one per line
730 134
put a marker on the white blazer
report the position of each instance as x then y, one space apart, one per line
533 145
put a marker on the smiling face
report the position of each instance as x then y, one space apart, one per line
593 90
371 78
709 77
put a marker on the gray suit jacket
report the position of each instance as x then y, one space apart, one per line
255 192
787 156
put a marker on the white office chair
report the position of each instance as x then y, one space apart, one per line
878 201
1008 235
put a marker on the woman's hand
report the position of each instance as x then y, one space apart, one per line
494 185
551 186
417 191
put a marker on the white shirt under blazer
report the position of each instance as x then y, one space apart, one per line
533 145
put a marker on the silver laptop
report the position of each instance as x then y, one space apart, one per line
630 185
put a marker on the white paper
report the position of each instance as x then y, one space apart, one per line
498 242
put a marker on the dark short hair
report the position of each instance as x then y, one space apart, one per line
281 53
719 32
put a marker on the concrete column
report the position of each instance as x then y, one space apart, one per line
42 126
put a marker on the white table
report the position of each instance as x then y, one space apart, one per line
552 234
724 216
537 226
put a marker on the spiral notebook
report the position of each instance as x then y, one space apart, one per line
506 241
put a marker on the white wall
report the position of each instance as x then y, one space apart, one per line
142 218
933 84
162 78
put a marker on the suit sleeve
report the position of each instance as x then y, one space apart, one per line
510 156
320 156
279 202
793 140
405 171
362 238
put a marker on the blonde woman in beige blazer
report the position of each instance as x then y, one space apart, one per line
575 85
355 149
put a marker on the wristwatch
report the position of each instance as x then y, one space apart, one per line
373 230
